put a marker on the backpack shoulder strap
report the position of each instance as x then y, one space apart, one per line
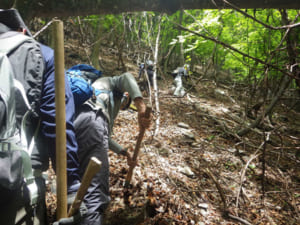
10 43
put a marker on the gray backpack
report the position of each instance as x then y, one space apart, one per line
15 163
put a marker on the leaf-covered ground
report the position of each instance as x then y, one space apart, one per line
191 164
197 171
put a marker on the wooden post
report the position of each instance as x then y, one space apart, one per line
60 119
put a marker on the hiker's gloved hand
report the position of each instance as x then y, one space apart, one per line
130 161
144 122
124 151
75 219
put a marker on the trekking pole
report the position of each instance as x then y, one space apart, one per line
137 148
60 120
92 168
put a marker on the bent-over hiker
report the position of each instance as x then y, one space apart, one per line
148 69
93 126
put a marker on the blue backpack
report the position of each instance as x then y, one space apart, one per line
80 78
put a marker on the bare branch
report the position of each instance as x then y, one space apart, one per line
290 26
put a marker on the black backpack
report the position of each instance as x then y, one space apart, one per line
19 99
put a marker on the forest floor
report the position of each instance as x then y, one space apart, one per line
196 170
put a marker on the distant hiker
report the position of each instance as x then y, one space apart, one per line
148 69
32 67
94 124
178 73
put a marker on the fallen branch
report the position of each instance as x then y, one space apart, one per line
238 219
220 189
255 155
278 148
223 126
221 192
242 177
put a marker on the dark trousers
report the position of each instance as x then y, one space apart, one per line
150 76
92 137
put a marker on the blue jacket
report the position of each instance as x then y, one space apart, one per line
47 114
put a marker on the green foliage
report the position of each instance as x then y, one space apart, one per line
236 30
227 26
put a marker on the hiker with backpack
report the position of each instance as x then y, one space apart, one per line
27 67
94 124
178 73
148 69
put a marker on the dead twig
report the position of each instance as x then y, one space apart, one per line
255 155
238 219
279 148
220 189
44 28
243 175
224 127
221 192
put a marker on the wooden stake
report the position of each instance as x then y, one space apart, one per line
60 120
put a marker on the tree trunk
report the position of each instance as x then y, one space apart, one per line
292 48
96 47
181 57
157 122
284 85
120 43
